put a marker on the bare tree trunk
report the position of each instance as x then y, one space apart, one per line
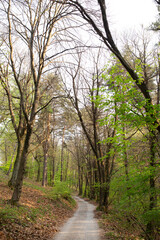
150 229
53 168
46 127
62 153
38 167
19 181
126 161
80 180
66 170
86 186
91 179
95 179
13 179
53 162
106 195
44 180
38 172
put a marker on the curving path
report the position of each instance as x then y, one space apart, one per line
82 226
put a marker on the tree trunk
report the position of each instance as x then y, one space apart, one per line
19 181
38 172
44 180
62 150
45 145
13 179
125 154
53 168
66 170
38 167
150 229
86 186
80 180
53 162
106 196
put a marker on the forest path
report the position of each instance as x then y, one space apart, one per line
82 226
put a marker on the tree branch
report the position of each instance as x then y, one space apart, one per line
40 109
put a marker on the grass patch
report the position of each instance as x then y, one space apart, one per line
61 191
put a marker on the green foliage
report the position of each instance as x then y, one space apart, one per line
61 190
58 191
152 216
31 168
131 197
125 112
5 167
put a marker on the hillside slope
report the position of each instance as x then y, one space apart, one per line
39 215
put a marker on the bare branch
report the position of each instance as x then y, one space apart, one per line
40 109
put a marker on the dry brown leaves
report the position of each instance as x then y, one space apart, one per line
41 227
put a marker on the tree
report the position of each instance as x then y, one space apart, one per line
157 1
132 118
106 36
147 62
27 78
85 93
155 26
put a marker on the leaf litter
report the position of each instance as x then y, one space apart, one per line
37 218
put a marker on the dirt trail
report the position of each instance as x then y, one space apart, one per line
82 226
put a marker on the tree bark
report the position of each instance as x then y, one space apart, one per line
13 179
62 155
44 179
45 145
86 186
80 180
53 167
19 181
38 172
150 228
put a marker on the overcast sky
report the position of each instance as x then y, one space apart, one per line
127 14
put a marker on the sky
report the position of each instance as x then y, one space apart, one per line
126 18
129 14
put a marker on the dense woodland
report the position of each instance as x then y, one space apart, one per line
78 109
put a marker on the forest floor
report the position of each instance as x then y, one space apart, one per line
41 214
38 217
116 227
